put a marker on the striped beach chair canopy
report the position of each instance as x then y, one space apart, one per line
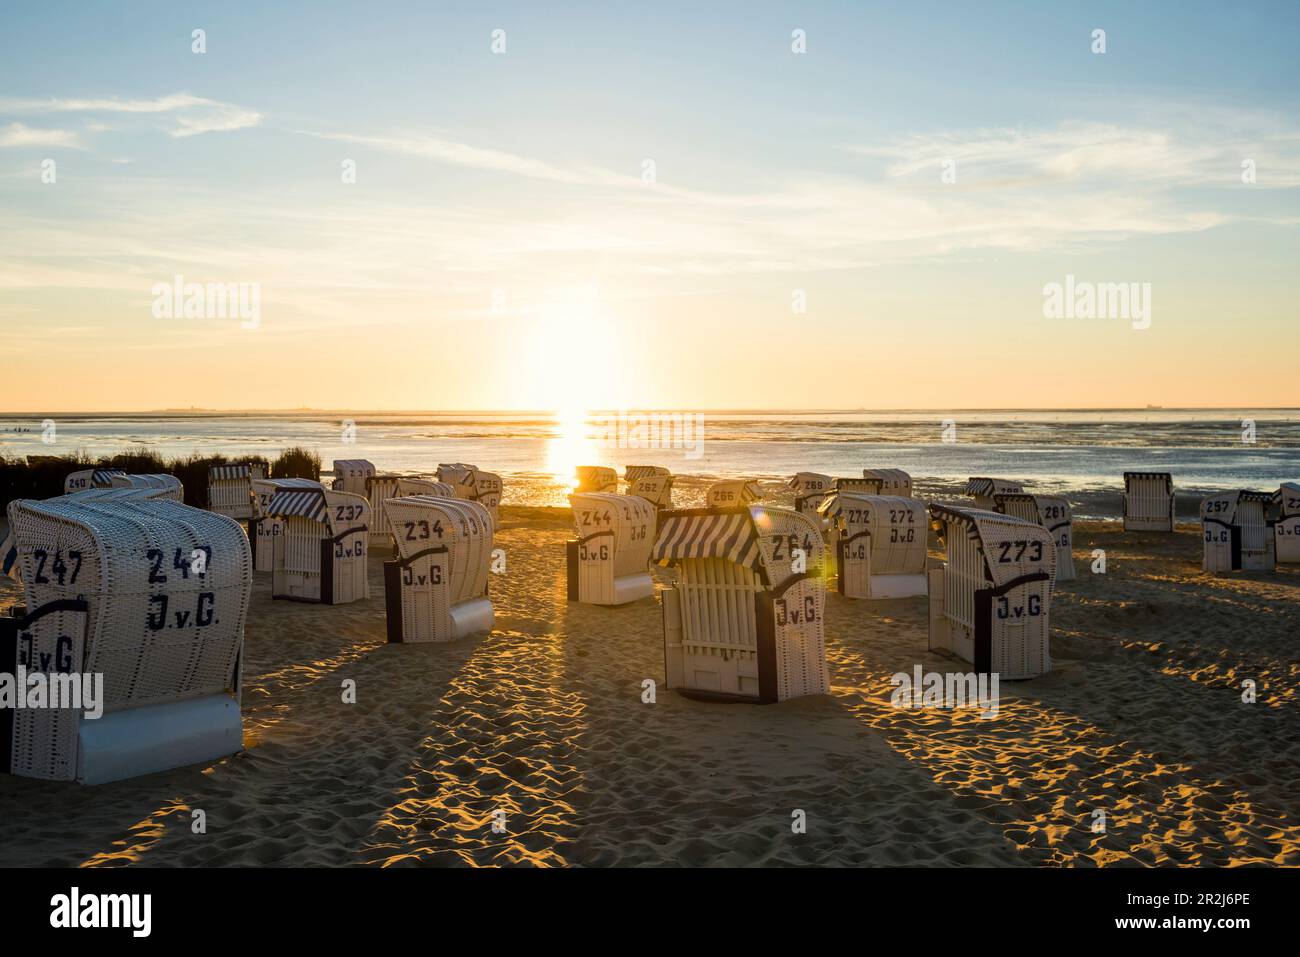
632 473
231 473
306 503
1131 477
729 534
760 538
982 487
595 478
103 478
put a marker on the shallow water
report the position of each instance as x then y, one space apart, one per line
1080 453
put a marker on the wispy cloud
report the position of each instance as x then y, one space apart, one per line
192 115
16 135
1204 154
464 155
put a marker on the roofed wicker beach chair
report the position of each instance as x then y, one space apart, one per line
321 554
990 599
350 475
89 478
1286 529
1236 532
879 544
9 547
733 494
889 482
422 486
595 478
153 596
654 483
264 529
1148 502
1053 513
811 491
437 587
983 491
475 485
379 489
743 621
230 489
165 486
609 562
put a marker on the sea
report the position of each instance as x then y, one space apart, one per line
1079 453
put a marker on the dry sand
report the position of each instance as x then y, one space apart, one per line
1141 717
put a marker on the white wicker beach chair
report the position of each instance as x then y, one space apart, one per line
150 594
990 600
475 485
1235 528
983 491
230 489
89 478
595 478
811 491
1286 528
166 486
609 562
350 475
1053 513
889 482
879 544
654 483
743 622
9 547
321 554
436 589
733 494
1148 502
263 528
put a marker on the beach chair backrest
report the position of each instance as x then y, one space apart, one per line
653 483
625 522
889 482
1148 501
811 489
887 531
595 478
350 475
445 536
167 589
733 494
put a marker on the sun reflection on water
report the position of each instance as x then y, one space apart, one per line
574 444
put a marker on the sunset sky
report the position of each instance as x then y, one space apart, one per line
502 249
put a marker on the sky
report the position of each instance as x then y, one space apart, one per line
635 206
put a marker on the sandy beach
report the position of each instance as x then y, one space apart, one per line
1141 718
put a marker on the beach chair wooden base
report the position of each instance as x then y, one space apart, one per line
881 587
416 616
339 577
591 579
176 734
1286 540
1014 649
783 657
61 744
